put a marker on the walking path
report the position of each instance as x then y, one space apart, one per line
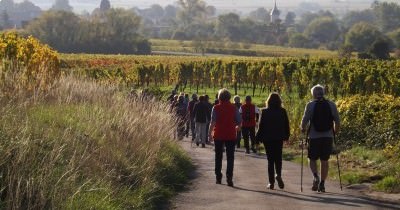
250 192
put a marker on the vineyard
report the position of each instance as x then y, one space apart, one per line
76 143
341 77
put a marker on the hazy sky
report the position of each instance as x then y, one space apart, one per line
246 5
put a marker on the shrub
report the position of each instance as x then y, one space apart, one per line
26 65
371 121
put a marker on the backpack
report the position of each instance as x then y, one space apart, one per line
322 116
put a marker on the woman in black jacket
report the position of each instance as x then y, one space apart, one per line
273 131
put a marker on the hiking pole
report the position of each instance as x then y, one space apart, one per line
302 159
337 160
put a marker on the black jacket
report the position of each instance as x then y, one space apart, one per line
274 125
201 112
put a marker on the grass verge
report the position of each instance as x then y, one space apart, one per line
86 146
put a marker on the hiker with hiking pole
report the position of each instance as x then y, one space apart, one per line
321 121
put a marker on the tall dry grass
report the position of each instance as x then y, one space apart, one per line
86 145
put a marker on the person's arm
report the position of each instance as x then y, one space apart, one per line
287 125
238 120
336 118
260 132
257 111
212 124
306 118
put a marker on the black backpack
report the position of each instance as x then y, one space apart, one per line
322 116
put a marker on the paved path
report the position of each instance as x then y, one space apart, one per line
250 192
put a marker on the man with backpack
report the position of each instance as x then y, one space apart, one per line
250 114
321 121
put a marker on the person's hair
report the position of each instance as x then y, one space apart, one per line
318 91
274 101
224 95
248 98
186 95
194 96
202 98
181 98
207 97
236 99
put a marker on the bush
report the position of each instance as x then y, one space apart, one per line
372 121
26 65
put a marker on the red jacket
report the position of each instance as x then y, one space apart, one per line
248 115
225 126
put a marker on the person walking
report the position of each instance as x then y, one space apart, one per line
250 114
225 122
187 124
191 115
201 118
181 113
273 131
236 100
321 117
209 106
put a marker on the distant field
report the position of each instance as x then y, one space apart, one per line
239 49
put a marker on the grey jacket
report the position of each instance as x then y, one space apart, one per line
308 116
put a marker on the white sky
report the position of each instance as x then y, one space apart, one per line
246 5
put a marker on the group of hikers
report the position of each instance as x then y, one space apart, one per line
225 123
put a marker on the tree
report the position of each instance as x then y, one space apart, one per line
260 15
395 36
5 22
228 26
388 15
56 28
61 5
191 11
105 5
361 35
354 17
290 18
7 5
380 49
323 30
298 40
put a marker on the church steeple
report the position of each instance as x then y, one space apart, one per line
275 14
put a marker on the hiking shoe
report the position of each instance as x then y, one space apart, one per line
280 182
203 145
321 187
270 186
253 150
219 180
230 182
315 184
247 151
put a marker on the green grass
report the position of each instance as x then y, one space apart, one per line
389 184
245 48
79 148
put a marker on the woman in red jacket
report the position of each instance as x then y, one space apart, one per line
225 122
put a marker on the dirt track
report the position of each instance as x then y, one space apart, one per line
250 192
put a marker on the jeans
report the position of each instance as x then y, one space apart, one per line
274 156
230 157
249 132
201 132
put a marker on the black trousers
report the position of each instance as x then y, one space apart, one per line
249 132
230 157
274 156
